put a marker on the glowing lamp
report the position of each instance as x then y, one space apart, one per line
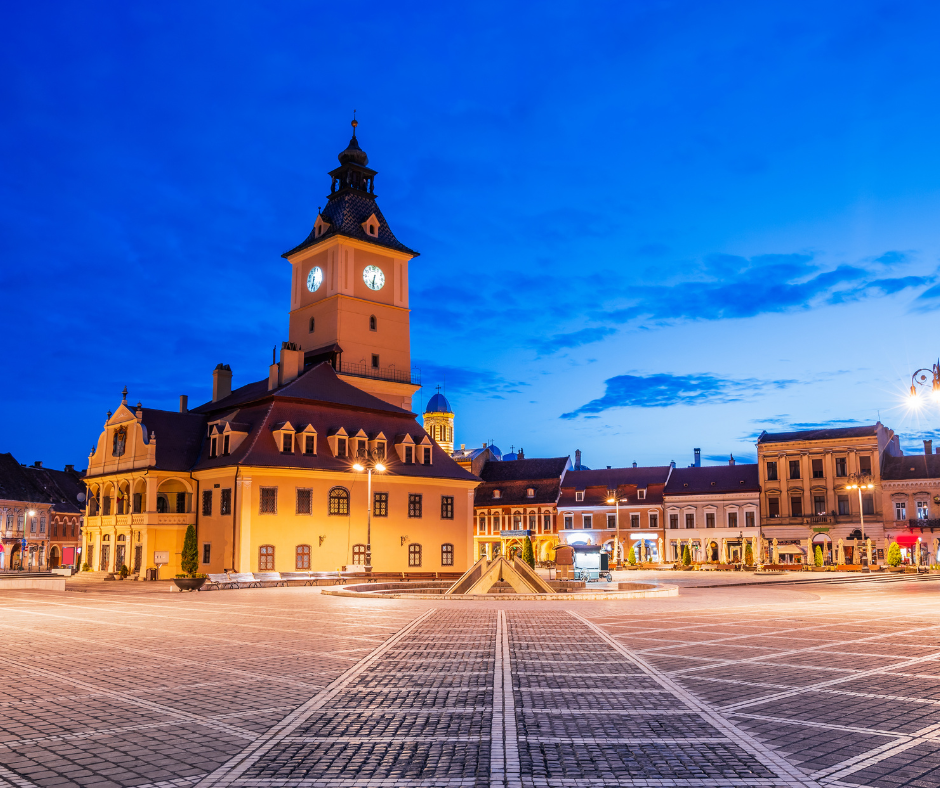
358 467
379 467
611 501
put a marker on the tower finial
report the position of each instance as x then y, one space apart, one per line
354 123
124 395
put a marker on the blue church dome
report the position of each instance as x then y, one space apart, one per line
438 404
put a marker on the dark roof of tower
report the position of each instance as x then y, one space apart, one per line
353 153
438 404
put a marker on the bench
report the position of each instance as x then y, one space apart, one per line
298 577
243 580
219 581
268 577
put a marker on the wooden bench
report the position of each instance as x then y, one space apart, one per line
268 577
243 580
306 578
219 581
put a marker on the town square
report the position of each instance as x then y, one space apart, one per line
500 395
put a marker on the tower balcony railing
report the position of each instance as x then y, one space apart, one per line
412 376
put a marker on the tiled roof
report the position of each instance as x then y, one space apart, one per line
346 212
911 466
40 485
714 479
524 470
179 437
516 493
829 433
14 484
611 477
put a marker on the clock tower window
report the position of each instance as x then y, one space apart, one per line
373 323
313 324
375 361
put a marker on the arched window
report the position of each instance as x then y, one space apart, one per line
313 324
414 555
359 554
373 323
339 500
120 438
266 558
162 504
447 555
303 556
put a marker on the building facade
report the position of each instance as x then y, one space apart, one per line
807 493
911 503
714 511
309 467
589 512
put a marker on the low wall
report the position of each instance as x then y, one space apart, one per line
432 590
43 582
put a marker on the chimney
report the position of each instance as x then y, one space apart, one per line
37 464
184 403
577 459
520 455
634 465
698 458
70 469
672 464
731 461
292 362
463 447
221 382
928 446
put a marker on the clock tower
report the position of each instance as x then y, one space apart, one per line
349 288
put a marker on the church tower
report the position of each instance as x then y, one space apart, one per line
349 287
439 421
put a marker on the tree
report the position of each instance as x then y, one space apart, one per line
190 558
818 556
686 556
631 556
528 555
894 555
748 554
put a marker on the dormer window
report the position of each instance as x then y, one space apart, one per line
641 494
371 226
409 455
371 229
284 437
530 492
320 226
226 443
340 447
287 443
496 493
212 448
579 495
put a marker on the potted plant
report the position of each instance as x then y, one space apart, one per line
124 572
893 557
189 579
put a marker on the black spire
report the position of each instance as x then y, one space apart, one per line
352 172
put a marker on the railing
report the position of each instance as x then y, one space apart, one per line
176 519
933 522
381 373
818 519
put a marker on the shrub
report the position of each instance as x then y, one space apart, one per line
686 556
528 555
124 571
748 555
190 558
894 555
86 567
818 556
631 557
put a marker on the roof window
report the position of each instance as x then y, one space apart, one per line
641 494
530 492
579 495
496 493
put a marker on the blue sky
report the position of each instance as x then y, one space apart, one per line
644 227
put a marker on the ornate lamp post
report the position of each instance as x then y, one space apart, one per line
368 461
860 481
613 498
919 378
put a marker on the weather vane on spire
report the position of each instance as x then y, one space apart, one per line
354 123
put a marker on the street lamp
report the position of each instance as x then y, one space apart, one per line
368 461
613 498
24 558
860 481
919 378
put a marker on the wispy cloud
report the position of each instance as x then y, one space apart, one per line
573 339
467 381
665 390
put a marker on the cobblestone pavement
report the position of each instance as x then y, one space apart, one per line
835 686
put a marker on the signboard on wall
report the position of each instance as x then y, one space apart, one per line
161 557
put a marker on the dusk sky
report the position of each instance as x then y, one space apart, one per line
644 227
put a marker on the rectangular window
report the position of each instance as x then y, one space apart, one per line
817 469
840 466
611 521
533 521
794 469
641 494
42 524
482 524
414 555
106 506
868 504
225 502
771 471
843 504
340 447
375 361
268 500
923 510
900 511
409 455
819 505
673 520
427 455
690 521
732 519
497 523
796 506
207 503
304 501
380 450
212 445
226 444
138 502
414 504
310 443
569 522
287 443
206 552
586 521
447 555
864 463
579 495
266 556
447 507
773 507
517 521
749 519
302 556
380 504
181 503
546 523
634 521
709 519
654 520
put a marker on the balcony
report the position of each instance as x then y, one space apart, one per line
818 519
381 373
930 524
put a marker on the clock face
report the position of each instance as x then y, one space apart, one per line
373 277
314 279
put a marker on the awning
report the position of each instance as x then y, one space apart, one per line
820 538
906 540
791 550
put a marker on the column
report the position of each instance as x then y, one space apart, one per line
242 516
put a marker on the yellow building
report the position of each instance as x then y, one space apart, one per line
275 474
439 421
